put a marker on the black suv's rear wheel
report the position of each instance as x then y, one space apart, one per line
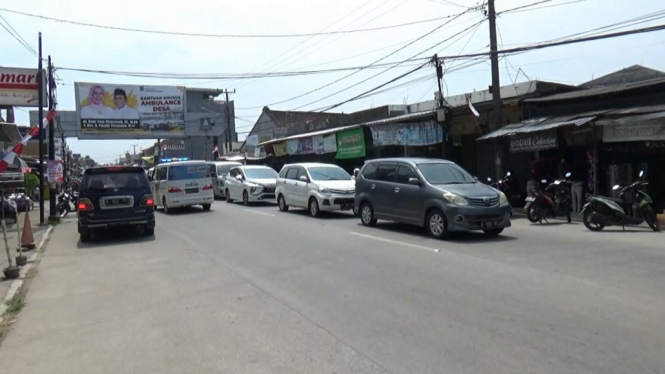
84 237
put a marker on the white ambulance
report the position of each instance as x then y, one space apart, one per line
181 184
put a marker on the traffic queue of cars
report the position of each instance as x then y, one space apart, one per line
435 194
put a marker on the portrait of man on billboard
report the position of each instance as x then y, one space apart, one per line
122 110
95 109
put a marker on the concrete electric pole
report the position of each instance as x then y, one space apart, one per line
496 86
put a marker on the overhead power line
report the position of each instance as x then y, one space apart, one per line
224 76
559 43
206 35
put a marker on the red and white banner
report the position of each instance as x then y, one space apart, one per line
17 149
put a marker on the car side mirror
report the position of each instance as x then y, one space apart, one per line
303 178
415 181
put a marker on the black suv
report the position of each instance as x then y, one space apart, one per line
115 197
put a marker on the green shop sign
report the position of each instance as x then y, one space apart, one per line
350 144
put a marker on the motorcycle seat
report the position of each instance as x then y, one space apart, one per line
618 201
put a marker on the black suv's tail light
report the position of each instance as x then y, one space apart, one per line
147 201
84 205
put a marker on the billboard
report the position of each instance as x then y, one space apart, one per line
19 87
130 111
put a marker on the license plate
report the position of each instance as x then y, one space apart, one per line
191 190
347 206
116 202
488 225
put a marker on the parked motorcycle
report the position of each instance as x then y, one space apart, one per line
555 200
66 202
632 208
503 185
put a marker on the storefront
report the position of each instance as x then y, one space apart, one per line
636 143
548 148
411 135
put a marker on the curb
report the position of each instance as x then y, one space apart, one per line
16 285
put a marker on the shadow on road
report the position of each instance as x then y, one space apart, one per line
324 215
470 237
186 210
111 238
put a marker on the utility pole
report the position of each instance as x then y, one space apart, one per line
134 146
51 139
40 77
442 105
228 121
496 85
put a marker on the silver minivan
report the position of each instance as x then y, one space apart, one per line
218 170
316 187
434 193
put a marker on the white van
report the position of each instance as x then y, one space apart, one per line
218 170
181 184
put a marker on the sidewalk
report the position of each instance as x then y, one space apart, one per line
13 240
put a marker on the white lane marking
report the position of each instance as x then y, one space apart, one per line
395 242
261 213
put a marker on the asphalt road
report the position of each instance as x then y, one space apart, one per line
254 290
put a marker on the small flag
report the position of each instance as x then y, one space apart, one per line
471 107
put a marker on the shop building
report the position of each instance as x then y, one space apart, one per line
604 133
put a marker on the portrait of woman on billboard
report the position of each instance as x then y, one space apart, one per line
95 108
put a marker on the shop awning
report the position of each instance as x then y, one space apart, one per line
538 124
9 133
645 127
384 121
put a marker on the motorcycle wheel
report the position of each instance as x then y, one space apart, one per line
532 214
651 218
593 226
62 211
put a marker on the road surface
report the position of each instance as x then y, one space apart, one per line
254 290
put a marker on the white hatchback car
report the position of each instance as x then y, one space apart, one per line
316 187
250 184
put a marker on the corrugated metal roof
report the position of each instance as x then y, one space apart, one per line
315 133
599 91
538 124
385 121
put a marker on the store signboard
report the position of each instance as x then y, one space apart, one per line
410 134
633 133
538 141
350 144
20 87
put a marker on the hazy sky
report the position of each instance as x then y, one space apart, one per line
73 46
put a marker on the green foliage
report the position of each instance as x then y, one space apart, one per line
31 182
